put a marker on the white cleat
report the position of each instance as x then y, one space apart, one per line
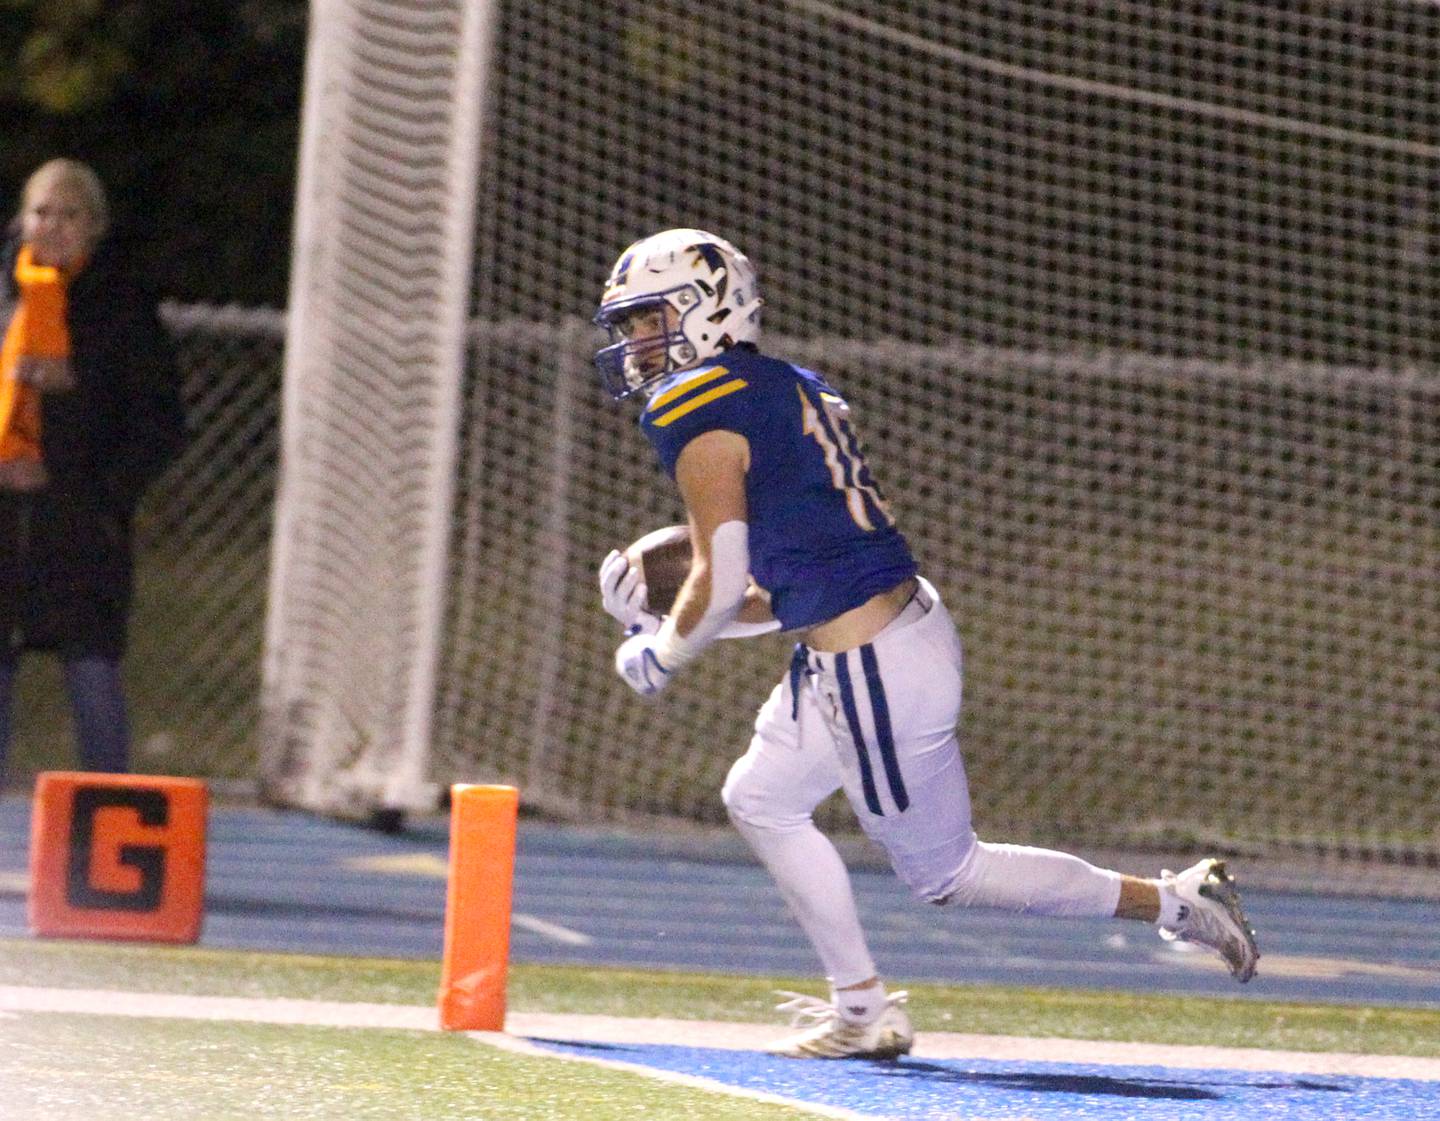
826 1034
1211 916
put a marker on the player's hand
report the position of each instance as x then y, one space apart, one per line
48 375
635 661
623 595
23 475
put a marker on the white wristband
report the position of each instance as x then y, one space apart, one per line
672 650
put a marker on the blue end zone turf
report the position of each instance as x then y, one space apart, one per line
958 1089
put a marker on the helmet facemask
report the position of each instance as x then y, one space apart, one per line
647 339
673 301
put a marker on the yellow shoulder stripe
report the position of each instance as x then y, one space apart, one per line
705 398
685 387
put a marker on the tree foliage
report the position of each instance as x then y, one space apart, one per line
188 109
72 53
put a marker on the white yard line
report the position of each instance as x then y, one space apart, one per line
523 1026
519 1045
258 1010
553 931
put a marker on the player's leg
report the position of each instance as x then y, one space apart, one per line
893 705
771 794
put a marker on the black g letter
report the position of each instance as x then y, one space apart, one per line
153 808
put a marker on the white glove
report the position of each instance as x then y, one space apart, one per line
635 661
623 595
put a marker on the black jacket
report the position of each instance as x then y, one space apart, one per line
65 551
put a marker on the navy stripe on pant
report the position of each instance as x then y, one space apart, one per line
880 709
852 717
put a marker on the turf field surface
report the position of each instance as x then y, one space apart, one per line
197 1034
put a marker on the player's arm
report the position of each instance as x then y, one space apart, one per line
710 473
711 476
755 615
714 496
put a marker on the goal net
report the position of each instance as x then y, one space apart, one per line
1137 309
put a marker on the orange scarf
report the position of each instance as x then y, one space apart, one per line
37 329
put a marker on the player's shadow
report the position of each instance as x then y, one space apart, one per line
1043 1083
1038 1082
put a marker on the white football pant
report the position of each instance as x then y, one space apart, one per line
879 722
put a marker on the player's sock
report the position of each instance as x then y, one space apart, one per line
860 1006
1171 906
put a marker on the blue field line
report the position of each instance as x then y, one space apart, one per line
292 882
950 1089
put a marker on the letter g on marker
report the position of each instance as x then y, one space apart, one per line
152 808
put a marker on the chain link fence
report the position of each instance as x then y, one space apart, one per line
1200 582
202 552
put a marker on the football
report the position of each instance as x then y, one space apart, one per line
663 558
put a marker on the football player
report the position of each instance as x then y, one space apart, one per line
777 487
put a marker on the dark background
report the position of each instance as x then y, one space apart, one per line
188 109
978 209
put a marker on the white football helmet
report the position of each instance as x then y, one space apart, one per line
674 300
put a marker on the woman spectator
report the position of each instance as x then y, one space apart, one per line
90 414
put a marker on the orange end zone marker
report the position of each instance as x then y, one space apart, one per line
117 856
477 907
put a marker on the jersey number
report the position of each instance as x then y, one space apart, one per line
844 459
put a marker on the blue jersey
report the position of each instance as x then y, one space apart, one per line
821 537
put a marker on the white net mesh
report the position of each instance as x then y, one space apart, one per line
1192 179
1198 599
1136 305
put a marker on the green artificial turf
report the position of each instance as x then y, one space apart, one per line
83 1067
1072 1014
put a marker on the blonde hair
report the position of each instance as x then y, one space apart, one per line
80 178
